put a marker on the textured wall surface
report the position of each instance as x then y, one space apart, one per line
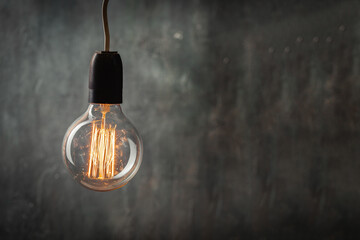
249 113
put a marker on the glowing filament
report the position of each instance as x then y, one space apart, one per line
102 151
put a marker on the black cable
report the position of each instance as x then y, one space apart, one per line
106 26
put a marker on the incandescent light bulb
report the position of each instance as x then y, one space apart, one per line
102 149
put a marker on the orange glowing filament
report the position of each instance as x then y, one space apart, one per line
102 151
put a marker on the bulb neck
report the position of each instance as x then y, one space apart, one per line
98 107
106 78
97 110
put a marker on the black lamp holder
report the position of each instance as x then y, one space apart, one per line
106 71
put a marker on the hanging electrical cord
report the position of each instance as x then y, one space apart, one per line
106 26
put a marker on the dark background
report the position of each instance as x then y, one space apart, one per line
249 113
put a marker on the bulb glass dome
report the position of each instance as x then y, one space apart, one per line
102 149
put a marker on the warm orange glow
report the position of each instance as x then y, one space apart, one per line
102 151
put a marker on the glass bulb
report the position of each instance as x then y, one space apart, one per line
102 149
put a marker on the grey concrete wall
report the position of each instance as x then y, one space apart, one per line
249 112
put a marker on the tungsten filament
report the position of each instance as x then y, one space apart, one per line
102 151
